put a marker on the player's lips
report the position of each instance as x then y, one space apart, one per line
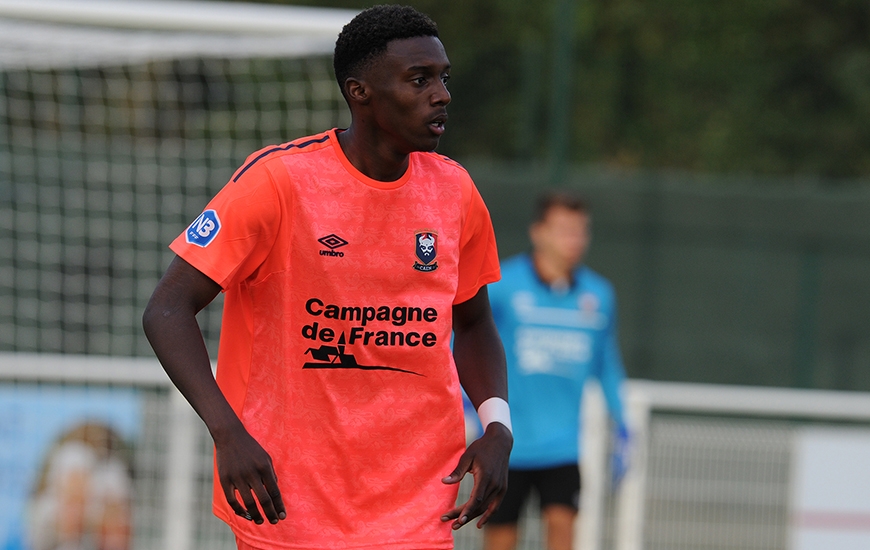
438 123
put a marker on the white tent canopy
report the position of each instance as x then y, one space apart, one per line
65 33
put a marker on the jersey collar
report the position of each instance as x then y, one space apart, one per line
351 169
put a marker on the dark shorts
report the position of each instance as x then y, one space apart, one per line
557 485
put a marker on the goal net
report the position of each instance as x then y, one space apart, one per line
118 121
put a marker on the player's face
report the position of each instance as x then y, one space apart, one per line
563 236
408 94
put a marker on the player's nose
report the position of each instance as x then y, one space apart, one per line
441 95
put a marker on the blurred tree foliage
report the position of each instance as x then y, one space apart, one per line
762 86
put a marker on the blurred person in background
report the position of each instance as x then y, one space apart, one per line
557 319
83 495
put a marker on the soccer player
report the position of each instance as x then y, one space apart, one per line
347 258
558 321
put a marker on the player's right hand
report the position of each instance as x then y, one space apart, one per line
245 472
487 460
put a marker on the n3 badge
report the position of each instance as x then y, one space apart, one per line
203 229
426 249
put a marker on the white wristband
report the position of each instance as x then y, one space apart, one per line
495 409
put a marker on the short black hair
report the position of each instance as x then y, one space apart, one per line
367 35
563 199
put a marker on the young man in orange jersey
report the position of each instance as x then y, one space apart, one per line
348 259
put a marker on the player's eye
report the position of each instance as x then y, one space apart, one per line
445 78
420 80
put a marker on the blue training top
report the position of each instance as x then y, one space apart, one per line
554 341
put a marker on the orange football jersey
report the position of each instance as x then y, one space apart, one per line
335 340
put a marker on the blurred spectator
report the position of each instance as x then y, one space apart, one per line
82 499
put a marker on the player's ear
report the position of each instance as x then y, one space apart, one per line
535 234
356 91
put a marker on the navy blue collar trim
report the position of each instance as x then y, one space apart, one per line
276 149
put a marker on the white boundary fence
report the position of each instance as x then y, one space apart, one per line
619 522
645 400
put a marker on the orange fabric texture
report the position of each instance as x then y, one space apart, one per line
335 342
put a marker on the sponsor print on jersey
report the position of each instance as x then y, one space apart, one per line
553 351
370 325
332 241
325 357
426 249
204 229
529 312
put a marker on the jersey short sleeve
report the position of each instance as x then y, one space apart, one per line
478 254
232 236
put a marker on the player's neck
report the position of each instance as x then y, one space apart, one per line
371 157
552 272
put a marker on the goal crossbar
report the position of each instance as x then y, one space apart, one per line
224 17
53 34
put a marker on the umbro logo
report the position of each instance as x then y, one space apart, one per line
332 241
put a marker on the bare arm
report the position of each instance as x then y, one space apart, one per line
480 362
172 330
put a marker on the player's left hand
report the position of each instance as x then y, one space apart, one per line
487 460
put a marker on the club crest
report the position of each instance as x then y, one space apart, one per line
588 302
426 249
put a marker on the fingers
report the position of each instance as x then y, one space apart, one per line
490 510
483 501
452 514
270 497
253 512
461 469
246 474
271 483
247 509
485 498
266 492
490 484
230 495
